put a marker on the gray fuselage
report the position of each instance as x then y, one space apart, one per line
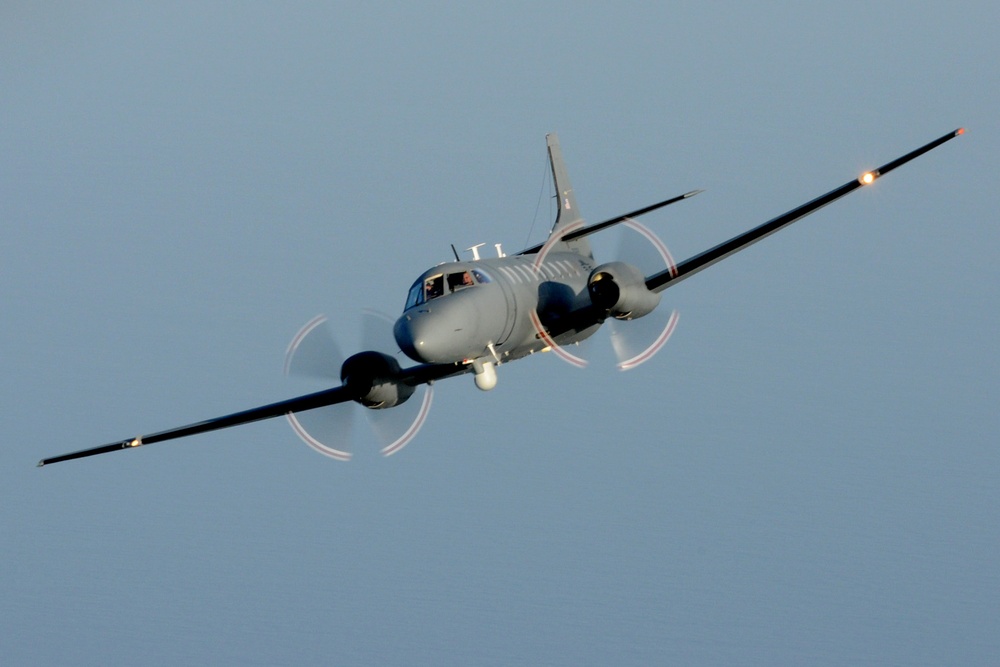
462 311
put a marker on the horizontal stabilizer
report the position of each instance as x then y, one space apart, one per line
600 226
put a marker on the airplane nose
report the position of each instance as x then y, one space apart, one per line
447 334
413 338
403 332
434 337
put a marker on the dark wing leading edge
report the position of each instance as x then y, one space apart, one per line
308 402
415 375
689 267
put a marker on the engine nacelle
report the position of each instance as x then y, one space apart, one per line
620 290
373 379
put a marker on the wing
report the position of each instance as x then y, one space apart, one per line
689 267
308 402
421 374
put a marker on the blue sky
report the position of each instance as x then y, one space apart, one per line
805 474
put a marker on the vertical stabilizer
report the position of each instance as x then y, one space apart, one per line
568 211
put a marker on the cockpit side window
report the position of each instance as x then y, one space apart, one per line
457 281
433 287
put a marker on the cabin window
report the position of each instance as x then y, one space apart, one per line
480 277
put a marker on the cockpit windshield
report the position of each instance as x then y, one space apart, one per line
434 286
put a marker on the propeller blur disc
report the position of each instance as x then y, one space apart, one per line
335 430
398 426
543 334
636 341
394 428
314 353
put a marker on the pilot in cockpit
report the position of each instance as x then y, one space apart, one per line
457 281
433 288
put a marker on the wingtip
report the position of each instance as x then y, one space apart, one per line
41 464
960 131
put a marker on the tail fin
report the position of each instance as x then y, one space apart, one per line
568 212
